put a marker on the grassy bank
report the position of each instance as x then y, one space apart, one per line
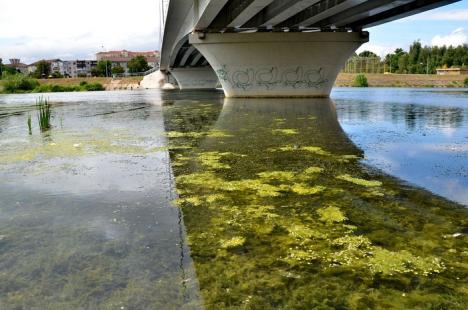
403 80
22 84
343 80
101 80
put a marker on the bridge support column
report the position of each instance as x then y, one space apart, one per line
278 64
195 78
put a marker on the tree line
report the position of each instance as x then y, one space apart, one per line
422 59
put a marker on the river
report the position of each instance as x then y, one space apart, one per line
189 200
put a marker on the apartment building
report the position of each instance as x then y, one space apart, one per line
123 57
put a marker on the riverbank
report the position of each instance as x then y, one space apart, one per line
75 84
403 80
343 80
108 83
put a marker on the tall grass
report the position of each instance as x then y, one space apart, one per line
30 124
43 113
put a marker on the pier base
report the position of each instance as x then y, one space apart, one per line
195 78
278 64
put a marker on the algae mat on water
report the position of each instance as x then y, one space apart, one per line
281 214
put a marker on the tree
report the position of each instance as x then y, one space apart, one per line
367 54
103 68
57 75
42 70
403 61
138 64
117 69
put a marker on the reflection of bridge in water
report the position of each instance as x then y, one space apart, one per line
271 48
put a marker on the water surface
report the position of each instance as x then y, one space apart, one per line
149 200
418 135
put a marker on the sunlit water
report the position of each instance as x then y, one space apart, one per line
149 200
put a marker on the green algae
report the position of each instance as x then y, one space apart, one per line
177 134
212 160
217 134
210 134
312 170
285 131
389 263
232 243
76 144
331 215
306 240
304 189
358 181
284 176
294 148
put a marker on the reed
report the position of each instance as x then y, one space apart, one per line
30 124
44 113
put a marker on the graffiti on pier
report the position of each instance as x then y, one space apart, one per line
273 77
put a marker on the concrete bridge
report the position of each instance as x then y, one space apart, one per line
271 48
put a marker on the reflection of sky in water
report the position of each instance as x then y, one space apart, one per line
420 136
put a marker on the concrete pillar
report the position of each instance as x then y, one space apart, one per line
278 64
195 78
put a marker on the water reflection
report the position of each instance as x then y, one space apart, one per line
279 209
416 135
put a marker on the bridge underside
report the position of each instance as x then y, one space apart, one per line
272 47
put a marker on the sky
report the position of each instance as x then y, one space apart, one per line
77 29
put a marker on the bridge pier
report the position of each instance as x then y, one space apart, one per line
278 64
195 78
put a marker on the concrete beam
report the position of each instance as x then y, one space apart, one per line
207 10
196 59
362 11
279 11
278 64
343 6
401 12
254 7
187 54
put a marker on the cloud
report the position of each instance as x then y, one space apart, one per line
380 50
72 29
457 37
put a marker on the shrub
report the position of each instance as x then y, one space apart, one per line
18 83
360 81
84 86
94 87
465 82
